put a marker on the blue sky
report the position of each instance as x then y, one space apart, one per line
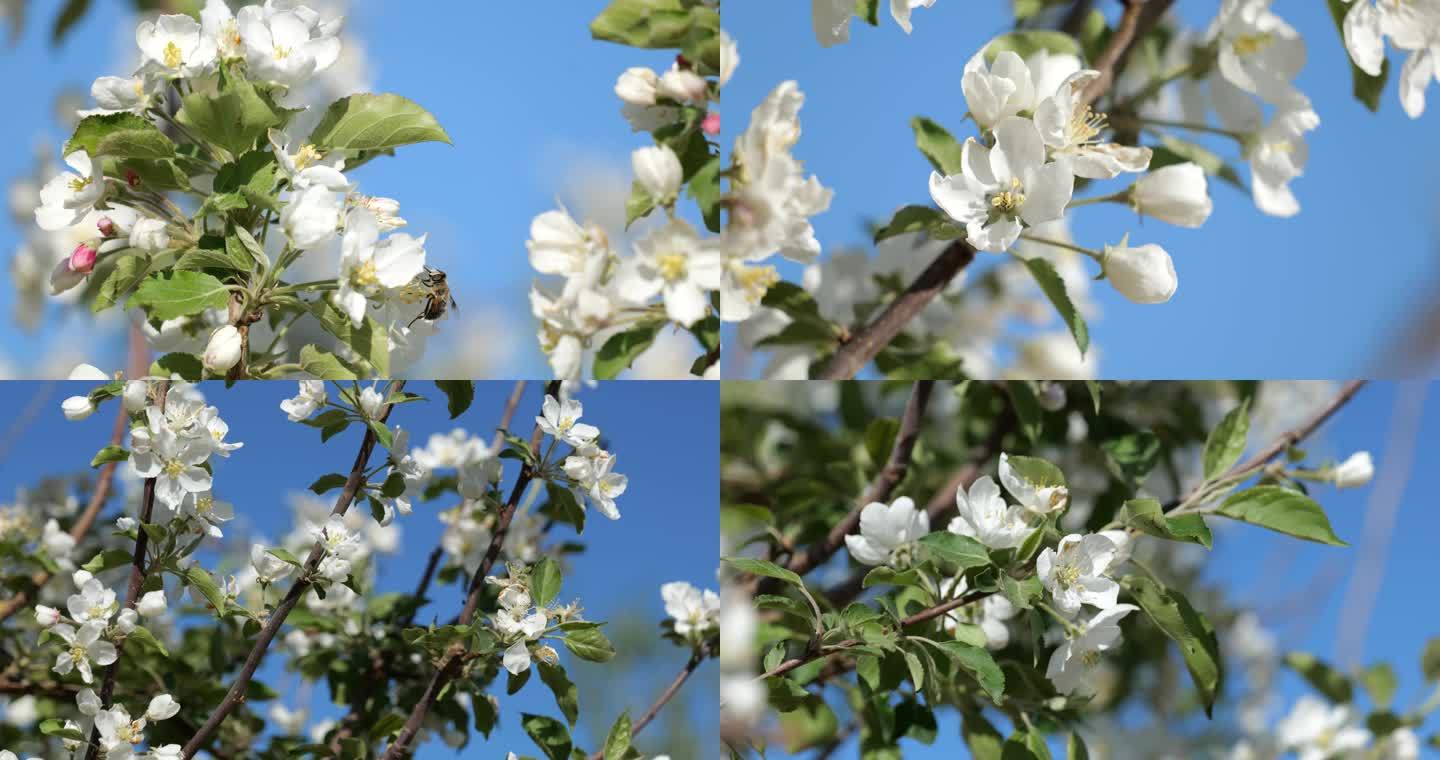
525 94
663 433
1303 584
1318 295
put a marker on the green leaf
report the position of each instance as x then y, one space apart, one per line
545 579
890 577
1367 88
567 697
143 143
880 439
639 204
617 742
285 556
70 15
144 636
1430 660
1323 678
952 548
369 121
1020 593
1036 471
978 662
912 219
1283 510
324 365
1147 516
458 395
108 560
643 23
589 644
179 295
794 300
916 668
548 734
201 581
110 453
1075 747
704 187
764 568
382 433
1031 41
1027 408
369 340
56 727
1191 632
196 259
93 129
621 349
253 171
1132 456
1227 441
127 272
938 145
187 367
234 118
1175 150
1380 681
1053 286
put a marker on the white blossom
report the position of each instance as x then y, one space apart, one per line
984 516
1037 498
1355 471
83 647
1074 573
1073 664
694 611
309 399
1144 273
887 529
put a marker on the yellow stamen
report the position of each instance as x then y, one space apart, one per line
173 56
672 266
1249 44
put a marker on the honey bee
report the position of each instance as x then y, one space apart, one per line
437 295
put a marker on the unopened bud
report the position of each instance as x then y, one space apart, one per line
223 350
106 225
82 259
711 124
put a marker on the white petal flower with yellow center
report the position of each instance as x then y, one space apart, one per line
561 420
1074 573
1038 499
1001 189
673 262
886 532
985 517
83 647
694 611
1070 127
1073 664
67 198
174 46
369 266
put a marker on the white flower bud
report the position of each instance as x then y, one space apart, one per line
1355 471
657 169
1177 194
149 235
729 57
46 616
137 396
636 86
370 402
63 278
88 372
1144 274
152 604
88 702
223 351
125 523
162 707
77 408
125 621
683 85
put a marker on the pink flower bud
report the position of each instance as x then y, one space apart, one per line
82 259
106 226
711 124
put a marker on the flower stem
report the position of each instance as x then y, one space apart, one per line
1192 126
1062 244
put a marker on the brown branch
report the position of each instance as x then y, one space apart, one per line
236 695
696 657
454 657
84 522
52 689
896 466
132 590
867 342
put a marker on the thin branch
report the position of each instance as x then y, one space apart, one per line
896 466
696 657
236 695
866 343
82 524
132 591
454 657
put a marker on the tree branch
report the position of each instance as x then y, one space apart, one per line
454 657
84 522
236 695
866 343
696 657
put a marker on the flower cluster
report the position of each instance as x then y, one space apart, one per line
695 613
831 18
589 467
606 300
162 198
1412 26
519 623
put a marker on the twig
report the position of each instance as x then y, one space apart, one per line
83 524
867 342
132 591
696 657
454 657
236 695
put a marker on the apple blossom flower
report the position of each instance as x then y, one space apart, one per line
1069 127
886 531
1072 665
369 265
312 215
306 402
116 94
1355 471
593 472
209 425
1144 274
149 235
1038 499
56 542
985 517
152 604
88 702
1001 187
1315 730
1258 52
83 647
997 90
136 396
1074 573
674 262
46 616
1411 26
268 567
175 46
159 452
1177 194
209 512
371 402
1277 155
77 408
900 11
694 611
682 85
65 199
93 603
561 419
286 46
636 86
223 350
729 58
657 169
163 707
